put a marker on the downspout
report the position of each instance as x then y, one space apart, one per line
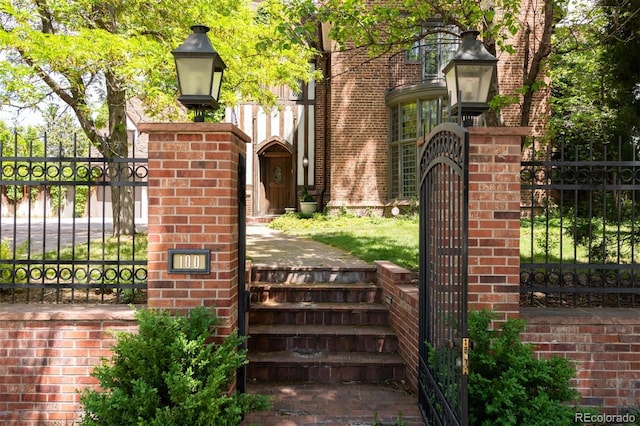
325 126
294 160
256 177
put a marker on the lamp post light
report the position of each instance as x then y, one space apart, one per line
200 69
468 77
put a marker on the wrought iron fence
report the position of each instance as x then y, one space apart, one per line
56 228
580 241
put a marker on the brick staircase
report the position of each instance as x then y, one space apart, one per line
323 325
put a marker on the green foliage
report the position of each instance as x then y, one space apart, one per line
59 194
398 422
85 45
168 374
11 274
64 138
305 196
122 248
594 80
580 80
499 102
508 385
621 56
381 27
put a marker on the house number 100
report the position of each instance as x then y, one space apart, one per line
184 261
189 261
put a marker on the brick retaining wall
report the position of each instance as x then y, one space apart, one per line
47 354
401 297
603 343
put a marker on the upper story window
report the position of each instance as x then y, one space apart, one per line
424 61
414 54
438 49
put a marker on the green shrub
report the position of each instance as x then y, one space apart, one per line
168 375
508 385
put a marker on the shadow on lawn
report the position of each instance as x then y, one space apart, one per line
371 249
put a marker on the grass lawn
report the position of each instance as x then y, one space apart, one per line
112 249
367 238
89 269
396 239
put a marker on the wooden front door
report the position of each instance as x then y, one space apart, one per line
277 182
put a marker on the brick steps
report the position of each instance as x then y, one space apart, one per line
335 338
326 332
325 367
304 274
311 313
315 293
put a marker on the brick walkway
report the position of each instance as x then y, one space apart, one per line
335 405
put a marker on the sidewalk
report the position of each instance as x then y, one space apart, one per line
307 404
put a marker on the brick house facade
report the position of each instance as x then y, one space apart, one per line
350 139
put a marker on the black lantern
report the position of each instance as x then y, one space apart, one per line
468 77
200 70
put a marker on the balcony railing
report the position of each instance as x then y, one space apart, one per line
422 63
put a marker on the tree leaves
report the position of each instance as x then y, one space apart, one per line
74 42
385 26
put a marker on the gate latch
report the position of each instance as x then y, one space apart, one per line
465 356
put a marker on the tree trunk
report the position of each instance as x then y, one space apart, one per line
120 173
113 147
493 117
533 64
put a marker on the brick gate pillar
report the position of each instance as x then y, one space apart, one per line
193 205
494 219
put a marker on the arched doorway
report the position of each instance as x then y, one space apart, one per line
276 177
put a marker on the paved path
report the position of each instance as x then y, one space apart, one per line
266 246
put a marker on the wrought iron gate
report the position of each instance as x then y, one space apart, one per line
444 345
